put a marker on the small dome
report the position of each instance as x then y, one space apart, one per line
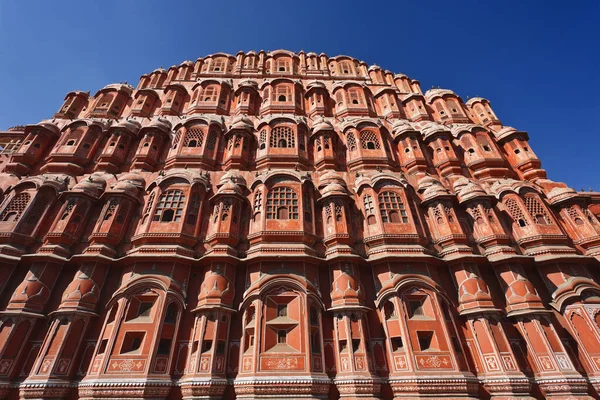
431 188
508 131
232 176
431 94
467 190
48 125
230 188
248 83
321 124
334 188
92 186
159 123
130 125
315 85
331 177
216 289
560 194
474 100
346 290
130 183
458 129
428 128
242 122
401 127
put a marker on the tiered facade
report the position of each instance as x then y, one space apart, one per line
281 225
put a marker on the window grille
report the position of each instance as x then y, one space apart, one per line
537 210
194 137
391 208
282 94
368 202
257 201
282 203
16 207
170 206
515 211
351 141
354 96
262 139
369 141
212 141
149 204
338 210
282 136
209 94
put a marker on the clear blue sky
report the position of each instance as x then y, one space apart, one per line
536 61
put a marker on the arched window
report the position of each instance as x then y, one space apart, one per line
217 65
282 136
369 209
389 310
15 208
283 65
355 96
339 98
369 141
209 94
537 210
440 109
351 141
392 208
454 107
257 201
68 209
516 213
194 137
344 68
282 203
262 139
170 206
282 93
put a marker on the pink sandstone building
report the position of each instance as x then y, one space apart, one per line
278 225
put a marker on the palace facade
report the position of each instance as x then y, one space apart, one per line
290 225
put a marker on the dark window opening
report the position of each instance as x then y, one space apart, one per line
343 346
315 343
132 342
102 347
282 336
425 338
282 310
145 309
456 344
397 343
415 308
164 347
167 216
220 347
171 314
